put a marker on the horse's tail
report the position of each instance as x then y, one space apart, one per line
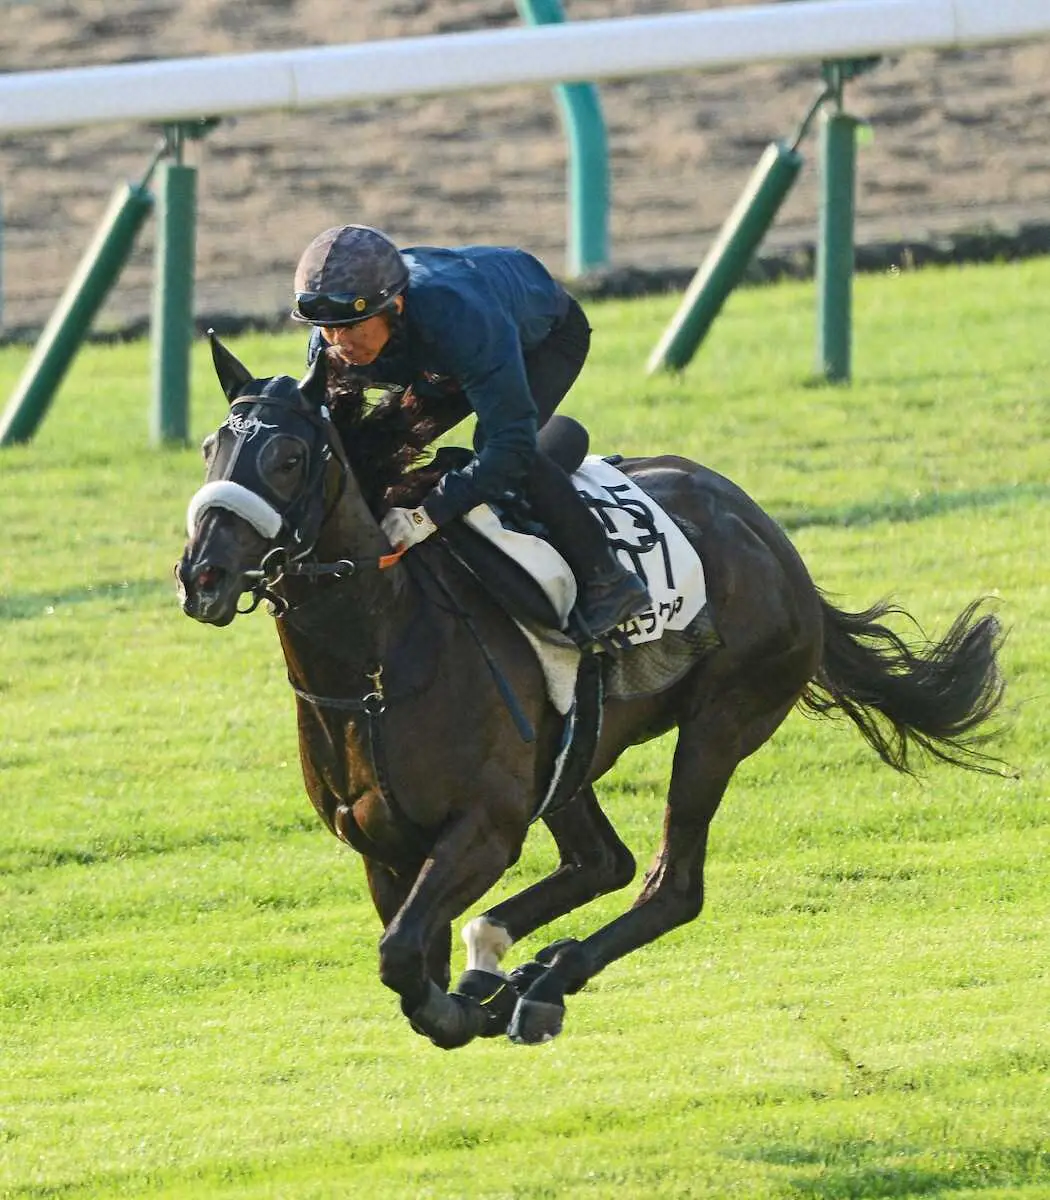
934 695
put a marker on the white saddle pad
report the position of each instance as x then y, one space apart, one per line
643 536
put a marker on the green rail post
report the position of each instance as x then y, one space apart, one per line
71 319
727 260
588 225
834 270
172 319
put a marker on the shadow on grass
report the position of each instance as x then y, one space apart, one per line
138 845
878 1171
918 509
25 606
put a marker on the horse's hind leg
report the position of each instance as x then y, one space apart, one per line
592 862
708 751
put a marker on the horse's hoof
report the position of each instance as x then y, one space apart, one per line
547 955
523 977
496 996
480 985
450 1021
535 1021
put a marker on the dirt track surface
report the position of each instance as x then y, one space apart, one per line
960 141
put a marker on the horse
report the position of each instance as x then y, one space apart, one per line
412 683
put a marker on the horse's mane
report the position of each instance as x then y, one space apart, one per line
385 440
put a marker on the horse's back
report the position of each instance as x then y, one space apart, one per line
758 587
700 495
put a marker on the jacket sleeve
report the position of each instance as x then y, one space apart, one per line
480 346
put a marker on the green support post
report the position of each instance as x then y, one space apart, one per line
727 260
172 323
588 224
838 139
838 170
69 323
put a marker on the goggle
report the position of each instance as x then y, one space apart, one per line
338 308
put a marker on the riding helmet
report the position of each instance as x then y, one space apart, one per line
346 275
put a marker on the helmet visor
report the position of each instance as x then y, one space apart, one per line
337 308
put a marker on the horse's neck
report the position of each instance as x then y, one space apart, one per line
350 530
337 630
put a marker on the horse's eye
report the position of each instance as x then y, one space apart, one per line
208 446
290 463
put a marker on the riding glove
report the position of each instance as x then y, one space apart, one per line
406 526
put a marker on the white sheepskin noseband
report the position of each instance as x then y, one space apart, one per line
223 493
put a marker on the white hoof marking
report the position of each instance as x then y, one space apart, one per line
486 944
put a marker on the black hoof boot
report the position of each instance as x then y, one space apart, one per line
496 995
535 1021
523 977
450 1021
611 598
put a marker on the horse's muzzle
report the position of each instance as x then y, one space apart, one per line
205 592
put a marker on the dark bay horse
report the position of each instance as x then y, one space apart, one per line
412 755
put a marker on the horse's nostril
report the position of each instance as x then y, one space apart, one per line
208 576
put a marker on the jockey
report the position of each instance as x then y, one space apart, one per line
478 328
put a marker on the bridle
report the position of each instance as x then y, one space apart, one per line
300 519
277 566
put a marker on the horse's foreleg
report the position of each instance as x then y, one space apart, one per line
469 856
389 891
593 861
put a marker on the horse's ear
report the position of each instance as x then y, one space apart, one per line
314 384
233 375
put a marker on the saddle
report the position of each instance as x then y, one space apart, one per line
504 550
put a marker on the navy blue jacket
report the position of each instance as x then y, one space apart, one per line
471 313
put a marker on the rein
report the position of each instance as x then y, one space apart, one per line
374 702
279 564
521 721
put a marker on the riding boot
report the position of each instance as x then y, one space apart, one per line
608 593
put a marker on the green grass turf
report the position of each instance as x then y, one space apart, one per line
189 1003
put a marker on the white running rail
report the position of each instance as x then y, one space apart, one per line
183 89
